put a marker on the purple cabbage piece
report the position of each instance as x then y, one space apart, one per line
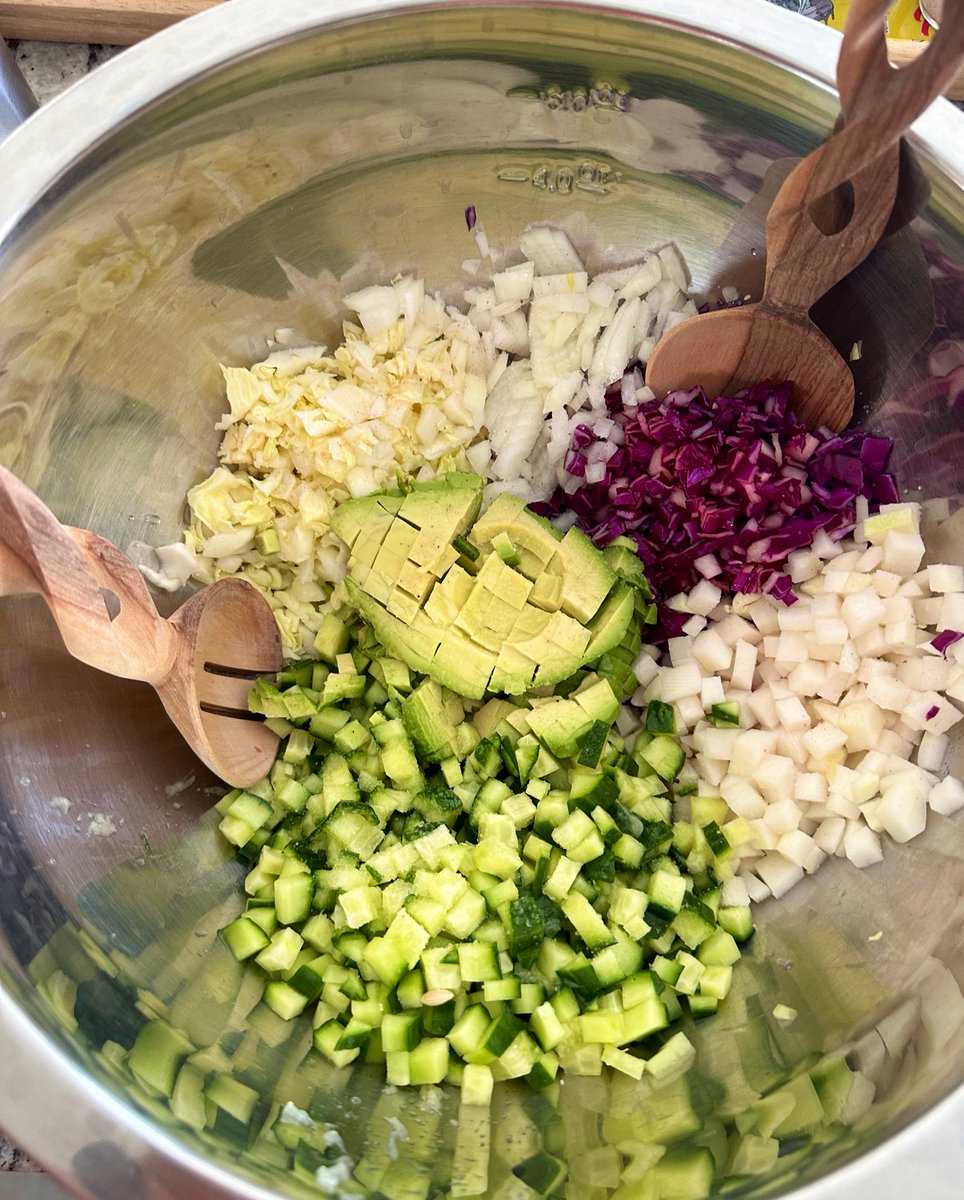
944 640
739 476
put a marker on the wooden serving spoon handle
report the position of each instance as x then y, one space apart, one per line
95 593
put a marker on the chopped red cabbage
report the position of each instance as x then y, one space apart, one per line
932 712
944 640
470 218
739 477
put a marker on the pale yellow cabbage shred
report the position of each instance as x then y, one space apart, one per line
307 429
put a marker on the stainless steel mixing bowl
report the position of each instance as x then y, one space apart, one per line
232 176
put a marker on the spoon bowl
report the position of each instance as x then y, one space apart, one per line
814 237
750 345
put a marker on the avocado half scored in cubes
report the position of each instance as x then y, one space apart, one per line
501 603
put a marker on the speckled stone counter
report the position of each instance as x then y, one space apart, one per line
49 67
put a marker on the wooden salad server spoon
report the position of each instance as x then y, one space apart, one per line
201 661
812 242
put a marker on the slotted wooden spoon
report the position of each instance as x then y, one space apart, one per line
775 338
201 661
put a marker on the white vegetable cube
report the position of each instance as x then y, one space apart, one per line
829 834
947 797
742 797
927 610
861 845
862 612
807 678
695 625
810 787
744 665
757 890
889 694
886 583
930 711
689 711
681 681
782 815
830 631
645 669
704 598
797 618
733 629
716 743
932 751
711 770
823 739
903 552
870 559
778 873
942 577
763 707
680 650
952 612
791 648
926 673
802 565
790 745
712 653
863 723
902 809
711 692
750 748
765 616
797 848
792 715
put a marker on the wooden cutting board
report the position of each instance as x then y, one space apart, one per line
113 22
121 22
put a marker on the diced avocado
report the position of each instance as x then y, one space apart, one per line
362 525
589 578
622 557
429 725
530 610
559 724
608 627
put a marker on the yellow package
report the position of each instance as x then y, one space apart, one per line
905 19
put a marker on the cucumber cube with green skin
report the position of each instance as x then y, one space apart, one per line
467 1035
719 949
401 1031
541 1172
287 1001
587 923
547 1026
244 938
644 1019
737 921
156 1056
438 1019
477 1085
665 755
326 1039
478 962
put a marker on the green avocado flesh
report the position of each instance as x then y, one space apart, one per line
522 606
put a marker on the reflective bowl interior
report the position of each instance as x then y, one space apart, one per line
250 200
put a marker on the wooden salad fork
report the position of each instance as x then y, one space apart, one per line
201 661
813 241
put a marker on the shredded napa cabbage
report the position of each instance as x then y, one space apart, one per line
307 428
